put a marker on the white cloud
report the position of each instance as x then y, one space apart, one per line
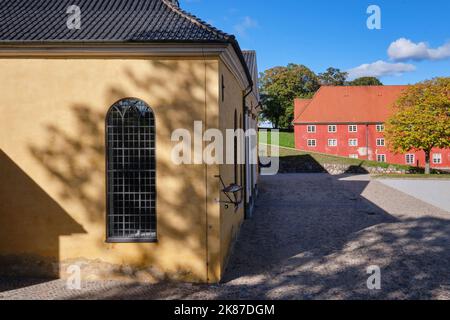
245 24
380 69
404 49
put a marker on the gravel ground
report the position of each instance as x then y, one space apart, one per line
313 237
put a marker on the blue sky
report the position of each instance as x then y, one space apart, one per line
324 33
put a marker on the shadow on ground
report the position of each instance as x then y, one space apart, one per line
316 236
313 236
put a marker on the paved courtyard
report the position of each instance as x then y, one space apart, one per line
313 237
434 192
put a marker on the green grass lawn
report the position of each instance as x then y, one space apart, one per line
328 159
287 139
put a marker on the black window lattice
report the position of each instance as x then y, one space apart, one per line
131 172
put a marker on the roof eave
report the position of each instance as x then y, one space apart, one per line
81 43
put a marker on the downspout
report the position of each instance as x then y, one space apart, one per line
208 262
244 124
367 141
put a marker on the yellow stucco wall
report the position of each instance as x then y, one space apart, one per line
52 165
230 218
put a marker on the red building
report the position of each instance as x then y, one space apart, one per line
349 122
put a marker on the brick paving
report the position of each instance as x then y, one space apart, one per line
313 237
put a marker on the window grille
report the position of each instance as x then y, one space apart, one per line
437 158
332 142
410 159
312 143
381 158
131 172
353 142
381 143
380 127
311 129
332 128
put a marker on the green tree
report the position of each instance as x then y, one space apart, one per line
422 119
279 87
333 77
365 81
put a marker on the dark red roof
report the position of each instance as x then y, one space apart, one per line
363 104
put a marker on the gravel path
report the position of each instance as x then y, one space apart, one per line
313 237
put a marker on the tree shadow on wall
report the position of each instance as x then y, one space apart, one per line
31 224
75 159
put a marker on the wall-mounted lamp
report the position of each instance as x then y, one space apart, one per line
233 193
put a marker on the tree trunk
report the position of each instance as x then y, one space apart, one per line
427 161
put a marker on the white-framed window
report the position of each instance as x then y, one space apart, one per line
410 159
312 143
380 127
312 129
353 128
332 128
437 158
353 142
332 142
381 142
354 156
381 158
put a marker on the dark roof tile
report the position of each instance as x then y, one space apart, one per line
103 20
44 21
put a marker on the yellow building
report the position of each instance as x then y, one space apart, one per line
90 98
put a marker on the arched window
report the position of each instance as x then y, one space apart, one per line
131 172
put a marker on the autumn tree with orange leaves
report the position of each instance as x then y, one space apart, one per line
421 121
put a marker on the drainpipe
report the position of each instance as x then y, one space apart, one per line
367 141
247 92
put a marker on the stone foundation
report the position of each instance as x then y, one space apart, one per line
338 169
90 270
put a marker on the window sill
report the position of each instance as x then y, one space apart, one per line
125 240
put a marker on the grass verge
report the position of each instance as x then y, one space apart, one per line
287 139
328 159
